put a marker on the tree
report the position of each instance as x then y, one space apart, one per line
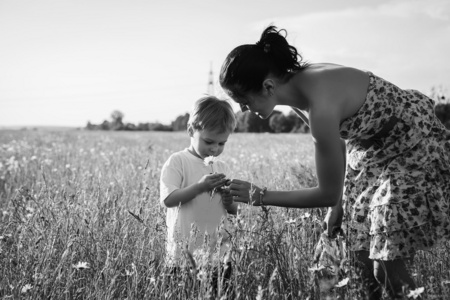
91 126
442 111
116 120
442 108
180 123
105 125
256 124
278 122
439 94
241 122
297 124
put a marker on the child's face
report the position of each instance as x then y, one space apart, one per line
205 143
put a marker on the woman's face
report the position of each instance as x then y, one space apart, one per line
259 104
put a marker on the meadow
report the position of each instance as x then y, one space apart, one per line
80 218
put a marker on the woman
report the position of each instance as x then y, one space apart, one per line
395 184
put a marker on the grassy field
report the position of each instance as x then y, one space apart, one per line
80 219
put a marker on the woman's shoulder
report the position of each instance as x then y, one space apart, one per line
336 87
324 72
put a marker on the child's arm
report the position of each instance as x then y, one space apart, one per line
184 195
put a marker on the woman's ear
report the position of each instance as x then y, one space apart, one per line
268 87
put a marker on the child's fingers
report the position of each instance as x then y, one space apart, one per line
217 175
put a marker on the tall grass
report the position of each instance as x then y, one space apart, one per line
80 219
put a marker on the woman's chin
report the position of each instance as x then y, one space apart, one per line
262 116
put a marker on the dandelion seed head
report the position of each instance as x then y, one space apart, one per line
210 160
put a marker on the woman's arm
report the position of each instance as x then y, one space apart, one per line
333 218
330 167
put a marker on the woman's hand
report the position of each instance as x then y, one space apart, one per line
227 198
333 220
245 192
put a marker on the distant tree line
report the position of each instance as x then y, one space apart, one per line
442 107
278 122
246 122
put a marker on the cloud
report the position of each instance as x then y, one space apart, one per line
405 40
437 10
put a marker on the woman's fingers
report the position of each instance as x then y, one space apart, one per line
240 199
238 185
238 182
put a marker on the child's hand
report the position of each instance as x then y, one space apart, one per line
211 181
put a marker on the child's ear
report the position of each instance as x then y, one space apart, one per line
190 130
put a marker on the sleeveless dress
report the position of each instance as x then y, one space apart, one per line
397 185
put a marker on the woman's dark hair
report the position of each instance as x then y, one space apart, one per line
246 67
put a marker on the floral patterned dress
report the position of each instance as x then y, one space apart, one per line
397 185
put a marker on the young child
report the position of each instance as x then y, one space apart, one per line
191 185
380 151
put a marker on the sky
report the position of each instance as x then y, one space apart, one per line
67 62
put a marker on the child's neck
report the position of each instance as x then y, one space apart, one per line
194 153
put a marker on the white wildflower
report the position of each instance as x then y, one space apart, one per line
416 293
291 221
342 283
81 265
26 288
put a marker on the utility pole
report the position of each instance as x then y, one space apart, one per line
210 89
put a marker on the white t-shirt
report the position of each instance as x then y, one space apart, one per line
203 213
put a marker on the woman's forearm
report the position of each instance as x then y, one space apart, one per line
304 198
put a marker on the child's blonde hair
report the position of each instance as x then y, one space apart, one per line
212 113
